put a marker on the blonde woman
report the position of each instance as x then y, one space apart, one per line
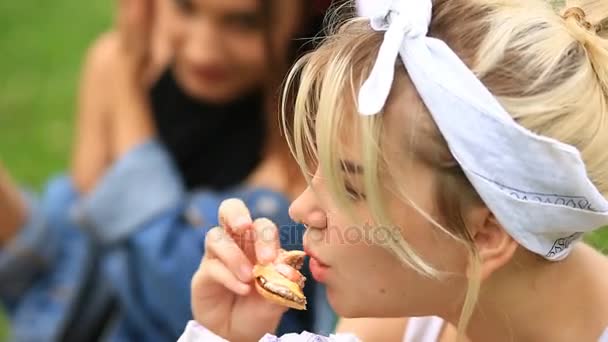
434 195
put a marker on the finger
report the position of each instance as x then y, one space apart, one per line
142 13
234 216
122 6
217 272
135 18
121 10
220 245
266 240
246 241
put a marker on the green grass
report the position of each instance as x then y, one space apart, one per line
3 329
42 44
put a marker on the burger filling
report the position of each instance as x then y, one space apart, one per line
280 291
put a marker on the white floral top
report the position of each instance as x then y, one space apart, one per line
196 333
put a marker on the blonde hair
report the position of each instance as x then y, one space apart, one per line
550 73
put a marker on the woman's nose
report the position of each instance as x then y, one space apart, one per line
202 42
306 210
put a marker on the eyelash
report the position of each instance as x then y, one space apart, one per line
354 194
184 5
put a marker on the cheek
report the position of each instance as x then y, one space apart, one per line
175 32
369 282
432 244
365 280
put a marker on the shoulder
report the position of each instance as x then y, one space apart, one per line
262 202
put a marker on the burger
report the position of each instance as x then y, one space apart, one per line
281 281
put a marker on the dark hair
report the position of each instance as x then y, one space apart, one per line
310 27
302 42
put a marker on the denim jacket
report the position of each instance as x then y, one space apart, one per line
150 234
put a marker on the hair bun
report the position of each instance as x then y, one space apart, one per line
589 14
579 15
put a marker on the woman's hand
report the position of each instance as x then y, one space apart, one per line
13 211
223 296
113 106
134 25
131 119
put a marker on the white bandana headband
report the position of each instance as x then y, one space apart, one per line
537 187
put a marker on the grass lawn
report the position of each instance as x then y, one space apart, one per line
3 329
42 44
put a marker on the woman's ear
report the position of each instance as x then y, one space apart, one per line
494 245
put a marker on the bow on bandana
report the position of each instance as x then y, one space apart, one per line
400 19
537 187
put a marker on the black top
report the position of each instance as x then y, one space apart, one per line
218 146
213 146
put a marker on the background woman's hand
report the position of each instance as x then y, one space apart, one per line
135 20
131 119
13 211
223 296
113 107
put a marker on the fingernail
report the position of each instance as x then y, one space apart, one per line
267 255
246 273
241 222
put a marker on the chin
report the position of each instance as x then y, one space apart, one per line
347 306
357 312
214 95
361 306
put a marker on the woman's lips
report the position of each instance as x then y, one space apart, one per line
210 74
318 269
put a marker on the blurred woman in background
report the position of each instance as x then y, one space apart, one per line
176 113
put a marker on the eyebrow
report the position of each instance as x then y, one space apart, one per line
184 2
351 167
